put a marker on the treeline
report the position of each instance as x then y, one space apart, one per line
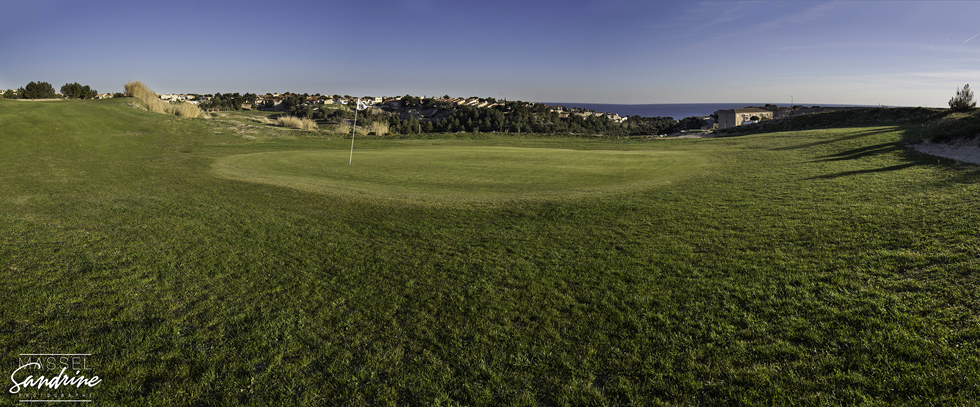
509 117
441 116
33 90
44 90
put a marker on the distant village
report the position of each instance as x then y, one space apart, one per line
273 101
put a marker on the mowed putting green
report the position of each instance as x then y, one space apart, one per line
462 173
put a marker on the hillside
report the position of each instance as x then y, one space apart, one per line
922 124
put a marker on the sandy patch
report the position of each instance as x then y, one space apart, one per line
969 154
696 135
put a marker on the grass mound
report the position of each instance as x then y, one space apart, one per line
925 124
447 173
848 117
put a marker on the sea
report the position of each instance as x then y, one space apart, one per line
675 110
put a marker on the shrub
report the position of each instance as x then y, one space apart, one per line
963 100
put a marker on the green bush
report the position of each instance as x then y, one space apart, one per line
76 91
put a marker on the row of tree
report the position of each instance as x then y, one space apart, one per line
509 117
33 90
44 90
519 117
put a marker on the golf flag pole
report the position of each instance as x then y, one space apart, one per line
360 106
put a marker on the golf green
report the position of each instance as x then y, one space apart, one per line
458 173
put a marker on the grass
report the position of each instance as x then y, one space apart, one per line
448 172
825 266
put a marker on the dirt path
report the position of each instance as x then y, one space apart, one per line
969 154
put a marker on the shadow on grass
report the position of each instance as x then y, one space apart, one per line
862 152
967 173
869 171
837 139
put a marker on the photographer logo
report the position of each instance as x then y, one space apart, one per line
54 378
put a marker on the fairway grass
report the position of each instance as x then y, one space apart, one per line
458 174
818 267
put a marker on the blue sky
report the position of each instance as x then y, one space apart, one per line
615 51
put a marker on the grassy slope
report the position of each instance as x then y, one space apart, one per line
813 267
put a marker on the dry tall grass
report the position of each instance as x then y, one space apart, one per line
151 101
378 128
184 109
297 123
136 89
344 128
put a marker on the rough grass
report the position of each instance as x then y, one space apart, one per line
816 267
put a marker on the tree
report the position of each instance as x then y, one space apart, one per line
76 91
37 90
963 100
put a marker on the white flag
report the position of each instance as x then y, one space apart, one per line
361 105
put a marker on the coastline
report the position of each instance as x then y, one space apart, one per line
675 110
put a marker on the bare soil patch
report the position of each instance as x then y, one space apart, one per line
969 154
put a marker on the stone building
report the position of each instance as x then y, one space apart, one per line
737 117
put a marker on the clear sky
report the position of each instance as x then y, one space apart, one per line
905 53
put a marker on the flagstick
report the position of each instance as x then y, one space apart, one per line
352 130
